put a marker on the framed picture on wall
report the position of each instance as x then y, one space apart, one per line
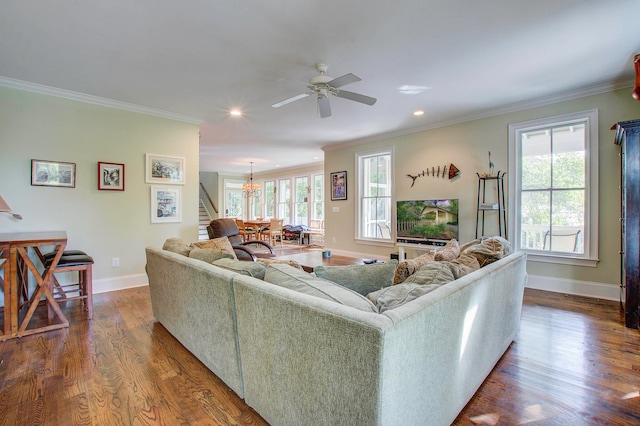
338 186
110 176
53 173
164 169
166 204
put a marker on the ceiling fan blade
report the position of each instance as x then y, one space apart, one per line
324 107
356 97
345 79
286 101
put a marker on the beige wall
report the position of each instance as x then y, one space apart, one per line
106 224
466 146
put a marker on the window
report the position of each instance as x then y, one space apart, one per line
374 171
295 199
269 197
553 165
301 201
233 201
318 197
255 204
284 200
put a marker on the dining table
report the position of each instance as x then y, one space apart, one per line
21 302
258 225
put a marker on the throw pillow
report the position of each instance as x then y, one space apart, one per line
449 252
398 295
177 245
221 243
252 269
208 255
362 279
294 279
409 267
432 273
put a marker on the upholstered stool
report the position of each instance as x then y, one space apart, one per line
48 256
83 264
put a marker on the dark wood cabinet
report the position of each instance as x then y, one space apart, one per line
628 137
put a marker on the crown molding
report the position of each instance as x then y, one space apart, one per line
520 106
95 100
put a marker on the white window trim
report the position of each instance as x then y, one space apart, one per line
590 255
374 241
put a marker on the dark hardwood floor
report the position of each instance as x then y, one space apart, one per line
572 363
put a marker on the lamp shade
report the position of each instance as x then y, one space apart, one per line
4 208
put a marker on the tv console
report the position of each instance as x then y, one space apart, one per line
423 245
437 243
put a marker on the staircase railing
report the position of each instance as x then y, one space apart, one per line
206 194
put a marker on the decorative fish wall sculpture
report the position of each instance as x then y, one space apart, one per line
452 170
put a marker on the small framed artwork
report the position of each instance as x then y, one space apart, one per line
338 186
164 169
166 204
53 173
110 176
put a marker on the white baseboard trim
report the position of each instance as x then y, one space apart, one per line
578 288
119 283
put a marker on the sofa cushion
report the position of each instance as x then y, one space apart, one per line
432 273
362 279
209 255
289 262
398 295
409 267
177 245
252 269
449 252
294 279
221 243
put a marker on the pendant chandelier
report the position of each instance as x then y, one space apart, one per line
251 189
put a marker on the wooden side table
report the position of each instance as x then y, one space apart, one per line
15 252
4 284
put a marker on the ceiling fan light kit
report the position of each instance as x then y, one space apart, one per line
324 86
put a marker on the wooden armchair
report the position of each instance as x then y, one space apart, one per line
219 228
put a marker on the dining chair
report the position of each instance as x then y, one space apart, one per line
275 230
246 232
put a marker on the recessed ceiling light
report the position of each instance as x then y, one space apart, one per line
418 112
316 158
412 90
235 112
277 165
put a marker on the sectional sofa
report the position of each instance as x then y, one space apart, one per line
298 359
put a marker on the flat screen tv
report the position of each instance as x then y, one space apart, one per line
427 221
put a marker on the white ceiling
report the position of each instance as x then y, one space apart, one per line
199 59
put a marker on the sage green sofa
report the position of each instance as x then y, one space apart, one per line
298 359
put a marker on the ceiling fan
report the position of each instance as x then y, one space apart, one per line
322 86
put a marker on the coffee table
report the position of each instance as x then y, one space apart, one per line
310 259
